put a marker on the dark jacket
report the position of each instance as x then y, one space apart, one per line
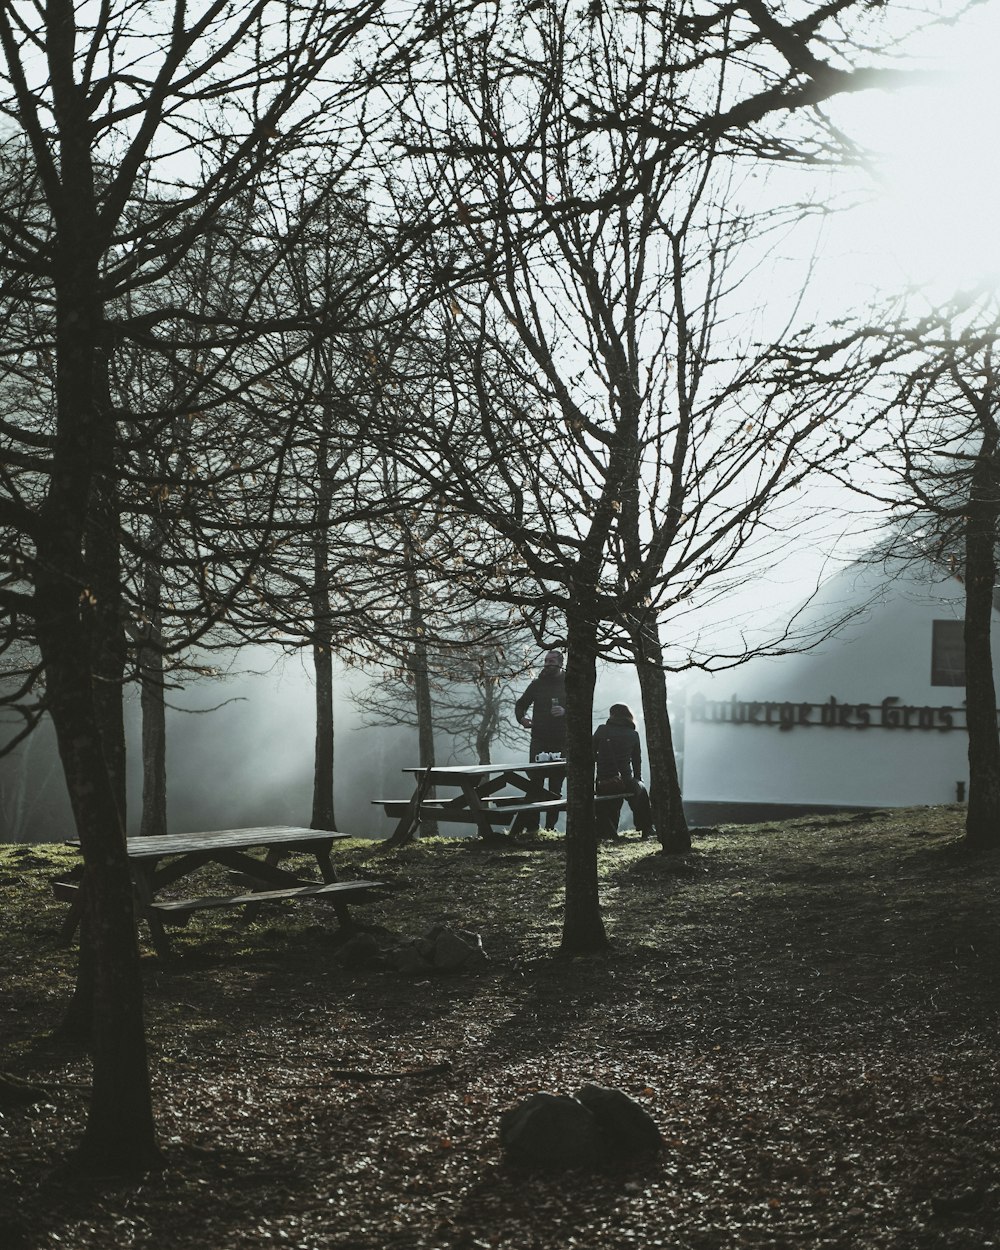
617 750
548 732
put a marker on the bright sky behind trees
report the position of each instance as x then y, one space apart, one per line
932 220
924 216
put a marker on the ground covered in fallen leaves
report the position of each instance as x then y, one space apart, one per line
809 1010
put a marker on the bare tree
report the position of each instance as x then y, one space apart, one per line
588 161
948 431
921 396
108 103
471 670
321 584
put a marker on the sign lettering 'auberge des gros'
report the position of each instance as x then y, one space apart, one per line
890 713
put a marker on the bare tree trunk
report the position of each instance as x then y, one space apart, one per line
982 825
119 1136
322 806
153 820
152 702
102 634
489 719
417 663
425 721
583 928
81 640
323 816
109 652
664 785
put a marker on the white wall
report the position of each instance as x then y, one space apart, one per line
884 653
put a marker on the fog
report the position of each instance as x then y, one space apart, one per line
240 749
240 753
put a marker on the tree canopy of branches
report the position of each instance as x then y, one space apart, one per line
923 392
131 127
470 670
605 424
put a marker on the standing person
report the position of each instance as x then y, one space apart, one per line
545 697
618 755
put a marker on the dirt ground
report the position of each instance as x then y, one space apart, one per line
809 1010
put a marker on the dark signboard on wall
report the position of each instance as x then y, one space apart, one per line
888 713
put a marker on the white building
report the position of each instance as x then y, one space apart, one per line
874 716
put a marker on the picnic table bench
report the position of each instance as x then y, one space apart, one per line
490 796
499 810
159 862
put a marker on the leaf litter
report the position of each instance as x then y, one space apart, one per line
808 1009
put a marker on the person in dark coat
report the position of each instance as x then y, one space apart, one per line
618 756
542 709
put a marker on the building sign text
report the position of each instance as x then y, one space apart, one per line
889 713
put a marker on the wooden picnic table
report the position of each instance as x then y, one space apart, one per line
489 795
159 862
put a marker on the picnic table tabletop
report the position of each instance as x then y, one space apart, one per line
460 771
238 839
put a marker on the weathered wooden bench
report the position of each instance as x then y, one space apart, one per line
159 862
499 811
180 911
66 891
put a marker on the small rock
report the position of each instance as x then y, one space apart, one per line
408 959
958 1203
452 952
358 950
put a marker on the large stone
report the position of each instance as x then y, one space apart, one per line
625 1127
358 950
409 960
453 951
550 1132
441 950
